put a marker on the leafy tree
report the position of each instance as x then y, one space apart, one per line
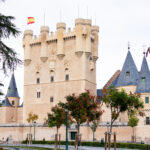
56 118
82 108
31 118
8 56
133 122
119 102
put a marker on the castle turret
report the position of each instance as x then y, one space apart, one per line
143 85
95 30
44 36
78 32
129 74
87 23
27 48
12 93
61 27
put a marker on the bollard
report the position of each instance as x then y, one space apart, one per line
114 141
109 138
105 140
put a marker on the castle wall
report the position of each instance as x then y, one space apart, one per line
20 133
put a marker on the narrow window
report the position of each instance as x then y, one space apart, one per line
67 77
147 120
13 102
147 100
143 79
38 94
52 79
51 99
127 74
38 80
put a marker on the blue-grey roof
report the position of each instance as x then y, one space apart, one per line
114 83
129 73
12 89
6 102
143 85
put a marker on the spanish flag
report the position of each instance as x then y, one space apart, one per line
30 20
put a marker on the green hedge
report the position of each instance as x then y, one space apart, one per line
98 144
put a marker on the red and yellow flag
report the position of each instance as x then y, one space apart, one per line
30 20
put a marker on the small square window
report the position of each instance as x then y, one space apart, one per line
147 100
127 74
147 120
13 102
38 94
38 80
67 77
52 79
143 79
51 99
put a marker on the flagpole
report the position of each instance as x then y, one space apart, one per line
44 19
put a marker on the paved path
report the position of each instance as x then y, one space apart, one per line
61 147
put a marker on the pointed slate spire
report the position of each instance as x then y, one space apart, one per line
143 85
12 89
129 74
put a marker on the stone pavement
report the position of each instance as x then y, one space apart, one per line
61 147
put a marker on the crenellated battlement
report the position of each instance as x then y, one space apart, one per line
83 33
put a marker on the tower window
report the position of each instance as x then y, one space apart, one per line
52 78
67 77
143 79
147 100
13 102
51 99
38 94
147 120
127 74
38 80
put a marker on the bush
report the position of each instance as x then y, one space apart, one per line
98 144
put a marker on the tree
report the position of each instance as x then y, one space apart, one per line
119 102
133 122
56 118
31 118
82 108
8 56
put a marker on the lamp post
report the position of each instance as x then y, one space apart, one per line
34 129
66 110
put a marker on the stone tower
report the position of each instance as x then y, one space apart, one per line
12 93
58 64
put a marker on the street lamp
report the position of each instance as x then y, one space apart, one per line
34 123
66 110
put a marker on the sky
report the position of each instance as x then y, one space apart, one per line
120 21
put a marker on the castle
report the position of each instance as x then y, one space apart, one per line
62 63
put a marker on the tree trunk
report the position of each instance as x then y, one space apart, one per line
78 135
93 134
133 135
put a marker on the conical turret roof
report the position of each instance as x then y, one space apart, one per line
12 89
143 85
129 74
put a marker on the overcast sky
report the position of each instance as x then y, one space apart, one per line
120 21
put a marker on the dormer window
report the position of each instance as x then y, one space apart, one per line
127 74
143 79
